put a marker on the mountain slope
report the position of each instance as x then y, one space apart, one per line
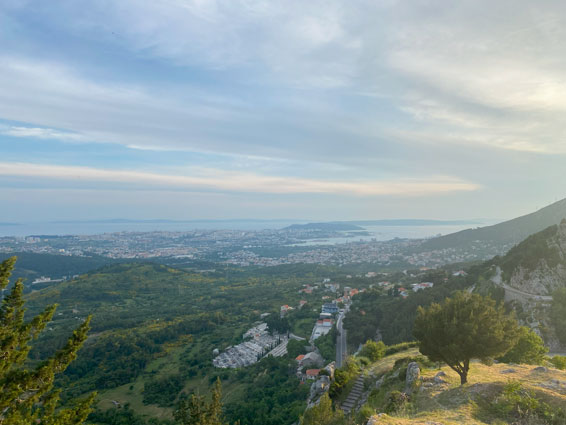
507 233
538 264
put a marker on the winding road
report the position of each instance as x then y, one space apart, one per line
497 279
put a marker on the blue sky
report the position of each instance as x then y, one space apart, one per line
326 110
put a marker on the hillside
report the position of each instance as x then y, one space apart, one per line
505 234
154 329
32 266
538 264
492 395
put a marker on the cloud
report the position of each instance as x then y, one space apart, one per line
221 180
41 133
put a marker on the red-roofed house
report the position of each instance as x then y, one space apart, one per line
312 373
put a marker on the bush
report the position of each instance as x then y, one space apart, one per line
559 362
364 414
373 350
392 349
521 406
529 348
396 401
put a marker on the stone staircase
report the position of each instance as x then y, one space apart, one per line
355 393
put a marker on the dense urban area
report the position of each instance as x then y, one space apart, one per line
253 248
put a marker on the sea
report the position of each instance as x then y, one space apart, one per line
373 232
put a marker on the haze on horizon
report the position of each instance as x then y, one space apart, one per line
334 110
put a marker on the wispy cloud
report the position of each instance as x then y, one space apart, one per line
41 133
222 180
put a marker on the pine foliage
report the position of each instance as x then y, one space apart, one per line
27 395
465 327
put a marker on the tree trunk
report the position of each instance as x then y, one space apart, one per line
464 374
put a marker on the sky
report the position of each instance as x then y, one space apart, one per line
323 110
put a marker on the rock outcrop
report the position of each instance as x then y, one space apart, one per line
413 373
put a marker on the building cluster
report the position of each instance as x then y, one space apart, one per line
259 343
246 248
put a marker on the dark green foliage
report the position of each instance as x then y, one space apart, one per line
395 316
32 266
326 344
123 416
140 307
162 391
196 411
276 323
373 350
273 395
529 349
464 327
295 348
558 314
27 395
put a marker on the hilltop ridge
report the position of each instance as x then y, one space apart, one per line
507 233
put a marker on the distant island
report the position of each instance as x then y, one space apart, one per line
359 225
332 226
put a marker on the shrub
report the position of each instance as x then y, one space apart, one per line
392 349
559 362
521 406
373 350
529 348
396 401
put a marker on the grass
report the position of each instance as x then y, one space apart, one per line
454 404
303 327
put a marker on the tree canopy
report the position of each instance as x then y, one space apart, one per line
529 349
196 411
27 395
464 327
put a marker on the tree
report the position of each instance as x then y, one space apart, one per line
464 327
27 395
294 348
373 350
196 411
529 349
322 413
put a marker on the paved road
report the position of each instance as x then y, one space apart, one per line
341 349
497 279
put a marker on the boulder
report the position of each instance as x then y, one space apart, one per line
540 369
413 373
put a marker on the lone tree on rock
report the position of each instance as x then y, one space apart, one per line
27 395
464 327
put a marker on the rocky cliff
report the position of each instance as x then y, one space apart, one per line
538 264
